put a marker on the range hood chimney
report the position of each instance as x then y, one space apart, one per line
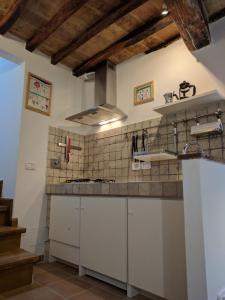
104 110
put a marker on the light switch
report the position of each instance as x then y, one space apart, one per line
30 166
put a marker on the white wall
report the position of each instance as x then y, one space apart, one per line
204 206
11 87
30 203
168 67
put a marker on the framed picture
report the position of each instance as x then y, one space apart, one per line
39 93
144 93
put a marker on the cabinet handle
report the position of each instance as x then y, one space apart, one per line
130 213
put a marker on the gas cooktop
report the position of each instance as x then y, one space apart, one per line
81 180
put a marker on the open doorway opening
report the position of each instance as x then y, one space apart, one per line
11 103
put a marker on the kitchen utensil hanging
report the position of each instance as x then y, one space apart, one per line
67 145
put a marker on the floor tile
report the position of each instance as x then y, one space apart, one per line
113 290
57 281
42 293
70 286
96 293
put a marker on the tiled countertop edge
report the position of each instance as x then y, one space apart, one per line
170 189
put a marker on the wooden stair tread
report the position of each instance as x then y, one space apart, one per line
16 258
10 230
3 208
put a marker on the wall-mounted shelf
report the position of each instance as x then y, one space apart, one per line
159 156
190 103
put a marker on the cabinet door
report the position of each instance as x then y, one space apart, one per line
175 283
156 247
104 236
65 220
145 245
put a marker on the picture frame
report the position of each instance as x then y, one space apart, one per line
144 93
39 94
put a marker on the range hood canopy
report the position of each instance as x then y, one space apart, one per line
104 110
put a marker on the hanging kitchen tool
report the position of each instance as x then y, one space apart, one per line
67 145
133 145
175 137
136 143
144 138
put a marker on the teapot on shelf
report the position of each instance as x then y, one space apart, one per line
184 92
184 89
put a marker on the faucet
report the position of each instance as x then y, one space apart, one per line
188 145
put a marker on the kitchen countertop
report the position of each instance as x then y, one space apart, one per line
159 189
199 155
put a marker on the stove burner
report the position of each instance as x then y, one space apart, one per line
81 180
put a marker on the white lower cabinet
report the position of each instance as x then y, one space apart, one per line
64 231
156 247
103 245
139 241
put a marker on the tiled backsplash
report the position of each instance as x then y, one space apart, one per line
75 167
108 154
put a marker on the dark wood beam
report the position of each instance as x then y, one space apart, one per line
11 16
163 44
66 11
131 39
109 19
191 20
216 16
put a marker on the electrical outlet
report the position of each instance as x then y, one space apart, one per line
136 166
55 163
145 165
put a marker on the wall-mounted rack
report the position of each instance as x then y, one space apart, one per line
158 156
190 103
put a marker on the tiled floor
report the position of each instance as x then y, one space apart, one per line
57 281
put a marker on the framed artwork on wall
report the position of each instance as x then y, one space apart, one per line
39 93
144 93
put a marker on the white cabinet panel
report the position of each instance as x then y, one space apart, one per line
174 257
65 220
65 252
156 247
145 245
104 236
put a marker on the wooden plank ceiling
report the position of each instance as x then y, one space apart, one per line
81 33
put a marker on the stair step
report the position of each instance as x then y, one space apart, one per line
3 208
16 269
5 214
10 230
13 259
10 238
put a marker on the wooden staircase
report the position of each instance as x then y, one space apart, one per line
16 265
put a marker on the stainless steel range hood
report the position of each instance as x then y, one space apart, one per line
104 110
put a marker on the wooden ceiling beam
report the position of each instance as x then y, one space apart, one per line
131 39
99 26
164 44
12 14
216 16
66 11
191 20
